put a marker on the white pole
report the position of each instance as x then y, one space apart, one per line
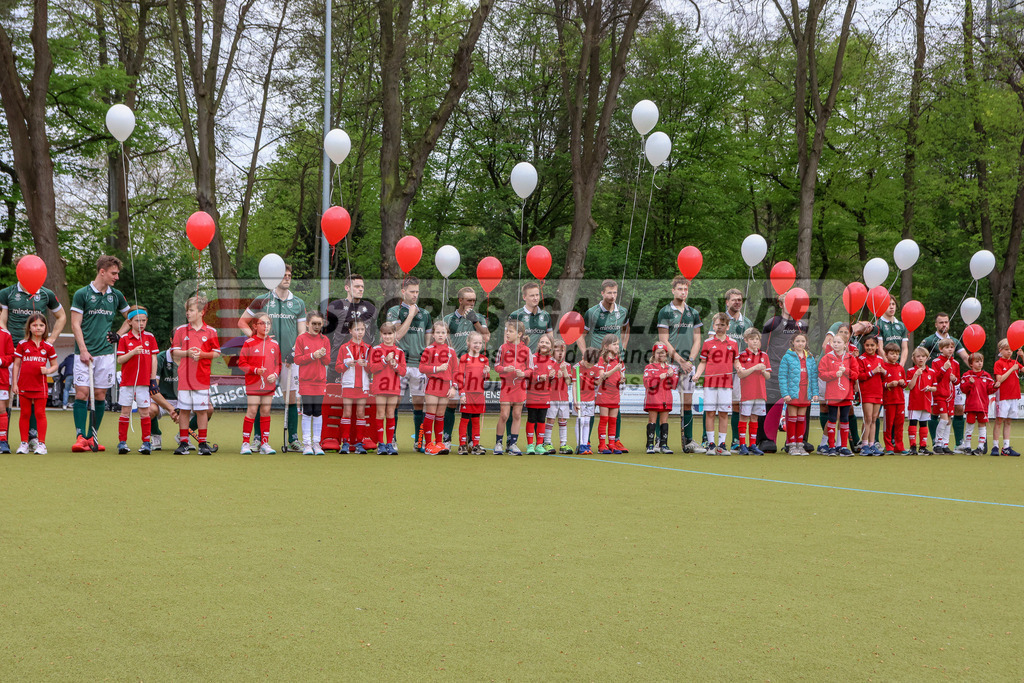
325 201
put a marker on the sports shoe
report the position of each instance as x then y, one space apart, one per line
723 449
513 449
204 448
913 450
923 450
265 449
498 450
587 450
182 449
1010 452
977 451
564 449
246 448
463 450
889 451
824 449
617 446
23 448
742 449
530 449
95 446
446 448
961 450
295 445
122 448
307 449
845 453
360 449
791 449
650 449
156 442
605 450
344 448
433 448
904 452
317 450
754 450
693 447
478 450
664 449
832 452
549 449
995 451
40 448
6 448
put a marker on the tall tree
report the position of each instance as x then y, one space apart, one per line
913 124
24 103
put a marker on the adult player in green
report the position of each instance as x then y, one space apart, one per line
604 318
461 323
738 324
413 335
679 327
287 321
93 309
931 344
535 319
16 305
892 331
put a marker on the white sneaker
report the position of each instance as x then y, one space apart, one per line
156 442
307 449
317 450
498 450
40 448
23 448
246 448
266 449
513 449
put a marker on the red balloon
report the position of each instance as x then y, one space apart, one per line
783 276
690 261
878 300
335 224
797 302
489 272
200 228
538 260
408 252
854 297
571 327
913 315
974 337
1014 335
31 272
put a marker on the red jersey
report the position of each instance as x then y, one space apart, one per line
870 383
538 388
312 371
1010 389
353 375
752 387
838 390
473 372
586 379
34 357
433 357
560 384
387 379
607 393
259 353
945 380
6 357
719 357
894 372
919 398
513 355
138 370
977 387
659 390
194 375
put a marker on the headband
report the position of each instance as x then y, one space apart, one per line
137 311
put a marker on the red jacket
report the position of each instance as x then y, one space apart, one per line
433 357
6 358
977 387
659 390
515 355
539 381
871 389
608 389
354 376
587 382
1010 389
894 372
473 372
312 371
920 399
387 380
838 390
560 385
259 353
945 380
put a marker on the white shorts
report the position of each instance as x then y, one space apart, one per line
197 399
756 407
821 389
718 400
919 415
686 383
958 396
291 372
1007 408
164 413
558 409
5 394
736 396
415 382
102 371
586 409
138 395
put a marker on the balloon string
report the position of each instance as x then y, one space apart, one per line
522 230
131 254
746 291
629 239
640 257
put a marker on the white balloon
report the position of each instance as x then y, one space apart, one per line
120 122
271 270
876 271
970 310
645 116
524 179
337 145
906 254
982 264
447 259
658 147
754 249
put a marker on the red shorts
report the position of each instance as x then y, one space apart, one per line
537 405
512 395
354 394
979 417
312 389
658 406
942 406
871 398
607 401
438 388
474 404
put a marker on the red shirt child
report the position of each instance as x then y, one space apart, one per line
260 353
541 378
839 374
660 379
947 376
312 366
512 363
36 358
870 379
194 375
388 366
353 364
922 390
607 391
753 387
977 386
137 370
719 357
434 357
474 371
1009 389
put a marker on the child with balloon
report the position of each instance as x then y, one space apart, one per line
34 359
561 388
1007 376
260 357
919 405
388 367
947 378
584 395
135 352
312 356
353 364
870 384
660 379
512 364
977 386
440 365
538 395
610 377
798 384
474 371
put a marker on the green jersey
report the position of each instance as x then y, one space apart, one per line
285 316
98 310
737 326
891 332
459 329
537 324
680 324
931 344
415 339
167 376
19 305
598 322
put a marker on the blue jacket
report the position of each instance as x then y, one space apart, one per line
789 375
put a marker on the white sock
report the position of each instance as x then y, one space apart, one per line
307 430
318 423
711 437
582 427
1006 443
563 430
983 433
547 432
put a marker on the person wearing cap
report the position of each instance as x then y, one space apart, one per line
660 380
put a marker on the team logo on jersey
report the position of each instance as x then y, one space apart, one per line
92 298
204 338
36 297
110 298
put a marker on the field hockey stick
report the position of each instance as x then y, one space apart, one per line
285 386
92 408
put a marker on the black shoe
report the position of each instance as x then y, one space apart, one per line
145 448
204 448
913 450
182 449
5 447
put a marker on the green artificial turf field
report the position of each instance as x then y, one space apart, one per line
418 567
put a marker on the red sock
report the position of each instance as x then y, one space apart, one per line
380 431
122 426
475 420
247 424
529 433
264 427
743 432
439 428
4 424
912 434
463 425
830 429
801 429
146 428
844 434
362 429
346 429
183 435
391 428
